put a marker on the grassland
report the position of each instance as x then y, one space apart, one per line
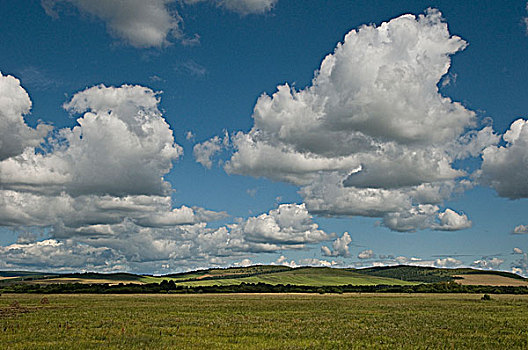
277 321
304 277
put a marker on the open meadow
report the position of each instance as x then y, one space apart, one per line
261 321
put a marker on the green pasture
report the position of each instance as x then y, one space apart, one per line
304 277
263 321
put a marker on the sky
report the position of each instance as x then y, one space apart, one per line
167 135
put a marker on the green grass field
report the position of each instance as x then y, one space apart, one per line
305 277
258 321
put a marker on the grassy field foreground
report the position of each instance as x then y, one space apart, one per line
259 321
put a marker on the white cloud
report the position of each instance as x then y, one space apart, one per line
521 229
340 246
486 263
288 224
243 263
122 145
191 68
371 135
450 220
525 19
520 266
140 23
243 7
517 270
55 255
204 151
517 251
366 254
175 240
505 168
98 192
447 262
317 262
15 134
282 260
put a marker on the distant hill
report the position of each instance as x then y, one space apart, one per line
429 274
274 275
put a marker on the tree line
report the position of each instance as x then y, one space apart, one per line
171 287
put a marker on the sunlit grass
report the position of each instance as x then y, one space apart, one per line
277 321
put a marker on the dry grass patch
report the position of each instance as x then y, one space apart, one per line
489 280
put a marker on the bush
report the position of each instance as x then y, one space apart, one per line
485 297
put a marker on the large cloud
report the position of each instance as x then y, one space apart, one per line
15 135
140 23
97 192
121 146
505 168
180 240
372 135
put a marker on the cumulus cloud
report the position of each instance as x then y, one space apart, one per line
340 246
139 23
521 229
366 254
288 224
317 262
56 255
505 168
520 266
517 251
372 135
98 192
426 216
448 262
15 134
122 145
486 263
203 152
178 240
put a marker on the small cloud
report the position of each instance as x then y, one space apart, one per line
490 264
193 41
155 78
367 254
517 251
517 270
448 262
340 246
317 262
252 192
191 68
203 152
37 79
521 229
449 79
243 263
189 135
282 260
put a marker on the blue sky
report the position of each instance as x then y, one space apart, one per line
153 137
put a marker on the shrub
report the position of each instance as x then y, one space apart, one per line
485 297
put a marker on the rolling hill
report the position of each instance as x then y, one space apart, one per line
274 275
